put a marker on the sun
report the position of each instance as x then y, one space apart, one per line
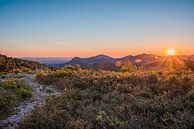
170 52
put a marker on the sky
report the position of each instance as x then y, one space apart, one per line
68 28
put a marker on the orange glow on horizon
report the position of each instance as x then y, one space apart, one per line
117 49
93 52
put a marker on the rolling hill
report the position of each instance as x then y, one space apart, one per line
143 58
9 64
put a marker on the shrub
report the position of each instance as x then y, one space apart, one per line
152 79
189 64
190 95
128 67
118 124
4 104
24 93
9 85
12 92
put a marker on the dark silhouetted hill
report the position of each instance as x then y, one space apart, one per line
9 64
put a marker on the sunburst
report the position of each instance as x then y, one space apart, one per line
170 52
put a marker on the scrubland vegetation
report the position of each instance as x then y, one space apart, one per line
116 100
134 97
12 93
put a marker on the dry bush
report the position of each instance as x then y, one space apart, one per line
111 100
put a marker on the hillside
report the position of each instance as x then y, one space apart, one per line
90 60
9 64
115 100
101 59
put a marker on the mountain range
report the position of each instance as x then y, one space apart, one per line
149 61
143 58
103 62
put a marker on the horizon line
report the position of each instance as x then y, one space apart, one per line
91 56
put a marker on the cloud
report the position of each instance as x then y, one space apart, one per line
37 43
10 42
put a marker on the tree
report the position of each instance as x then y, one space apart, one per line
127 67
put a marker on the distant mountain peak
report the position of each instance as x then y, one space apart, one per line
76 58
102 56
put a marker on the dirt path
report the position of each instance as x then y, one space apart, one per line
39 93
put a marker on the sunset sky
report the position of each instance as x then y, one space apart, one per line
58 28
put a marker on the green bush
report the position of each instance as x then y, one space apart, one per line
24 93
12 92
4 104
9 85
118 124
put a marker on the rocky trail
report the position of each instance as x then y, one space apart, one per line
39 92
